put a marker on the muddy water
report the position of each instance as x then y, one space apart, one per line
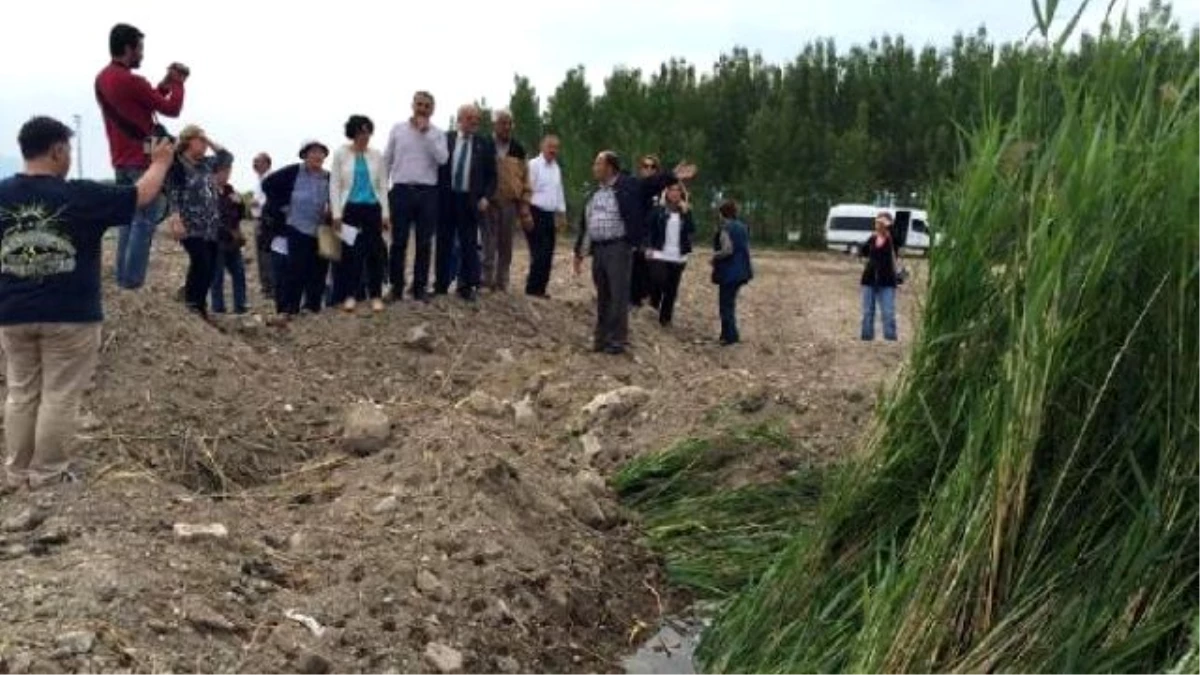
671 649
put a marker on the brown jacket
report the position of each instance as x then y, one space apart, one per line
512 175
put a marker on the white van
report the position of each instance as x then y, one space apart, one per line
849 225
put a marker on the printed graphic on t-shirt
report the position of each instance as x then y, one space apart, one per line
35 245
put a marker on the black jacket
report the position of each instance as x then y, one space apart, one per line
880 270
634 195
277 187
658 229
482 169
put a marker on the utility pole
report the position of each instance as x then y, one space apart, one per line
79 145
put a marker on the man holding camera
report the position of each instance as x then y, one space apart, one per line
129 104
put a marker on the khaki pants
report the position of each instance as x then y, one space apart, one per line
498 244
50 365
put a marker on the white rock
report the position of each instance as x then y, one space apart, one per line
591 446
420 339
189 532
505 355
366 428
525 415
483 403
385 505
591 481
443 658
615 403
431 587
74 643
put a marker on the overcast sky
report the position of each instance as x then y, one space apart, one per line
267 75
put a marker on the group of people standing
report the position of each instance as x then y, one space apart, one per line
466 192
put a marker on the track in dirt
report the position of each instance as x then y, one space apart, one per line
468 534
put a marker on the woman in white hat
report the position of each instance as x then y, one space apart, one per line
297 205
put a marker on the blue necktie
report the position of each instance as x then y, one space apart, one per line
460 167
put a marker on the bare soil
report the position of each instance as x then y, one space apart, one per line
466 529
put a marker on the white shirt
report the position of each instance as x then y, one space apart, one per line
670 251
462 145
259 199
412 157
545 179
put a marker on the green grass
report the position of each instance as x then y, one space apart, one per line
717 537
1030 498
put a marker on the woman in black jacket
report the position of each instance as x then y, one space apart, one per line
879 278
297 205
670 228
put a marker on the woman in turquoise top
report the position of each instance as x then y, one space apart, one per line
358 199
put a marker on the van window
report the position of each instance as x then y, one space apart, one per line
918 225
852 223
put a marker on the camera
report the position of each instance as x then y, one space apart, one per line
157 132
180 68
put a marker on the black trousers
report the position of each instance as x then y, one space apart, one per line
359 274
664 287
412 205
541 251
639 279
460 226
202 262
262 258
304 274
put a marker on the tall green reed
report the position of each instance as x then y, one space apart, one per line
1029 499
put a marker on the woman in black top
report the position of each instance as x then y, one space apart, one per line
879 279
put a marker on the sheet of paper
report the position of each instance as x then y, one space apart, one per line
279 245
349 234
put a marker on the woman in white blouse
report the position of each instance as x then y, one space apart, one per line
358 199
671 229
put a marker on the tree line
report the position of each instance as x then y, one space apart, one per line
881 120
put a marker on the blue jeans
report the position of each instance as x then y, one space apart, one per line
727 304
885 296
133 240
232 261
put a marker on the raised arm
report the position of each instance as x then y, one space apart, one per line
168 102
436 138
150 185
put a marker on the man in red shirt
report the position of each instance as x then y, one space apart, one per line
129 104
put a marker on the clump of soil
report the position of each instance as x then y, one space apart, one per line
473 528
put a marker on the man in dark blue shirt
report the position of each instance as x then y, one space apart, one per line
51 231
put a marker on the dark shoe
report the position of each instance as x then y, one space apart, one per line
614 350
468 294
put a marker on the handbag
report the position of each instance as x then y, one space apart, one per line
901 273
329 244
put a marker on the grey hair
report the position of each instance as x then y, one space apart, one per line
501 114
468 107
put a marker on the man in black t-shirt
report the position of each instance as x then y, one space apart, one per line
50 311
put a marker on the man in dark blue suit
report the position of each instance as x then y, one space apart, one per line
467 183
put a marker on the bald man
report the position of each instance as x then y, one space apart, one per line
467 184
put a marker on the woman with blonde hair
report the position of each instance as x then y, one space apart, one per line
879 279
358 198
193 204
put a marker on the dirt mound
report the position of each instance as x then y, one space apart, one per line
467 521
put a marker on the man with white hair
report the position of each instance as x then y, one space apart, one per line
510 203
467 183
